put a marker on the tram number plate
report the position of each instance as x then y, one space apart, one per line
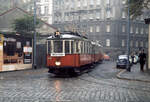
57 54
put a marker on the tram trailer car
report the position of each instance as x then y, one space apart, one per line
69 51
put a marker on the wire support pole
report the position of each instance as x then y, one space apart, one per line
34 63
128 39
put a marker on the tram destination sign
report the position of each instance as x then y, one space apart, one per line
57 54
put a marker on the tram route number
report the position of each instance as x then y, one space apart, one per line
57 54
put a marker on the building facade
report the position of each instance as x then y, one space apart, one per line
102 20
43 8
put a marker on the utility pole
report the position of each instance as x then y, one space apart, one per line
128 39
34 59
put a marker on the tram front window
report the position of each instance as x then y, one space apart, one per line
58 46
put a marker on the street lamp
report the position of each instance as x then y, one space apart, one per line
128 39
34 59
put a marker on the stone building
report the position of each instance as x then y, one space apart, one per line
102 20
43 8
147 21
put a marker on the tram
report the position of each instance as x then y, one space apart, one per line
70 51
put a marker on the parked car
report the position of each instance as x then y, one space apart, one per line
122 61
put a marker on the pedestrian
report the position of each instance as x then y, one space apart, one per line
132 57
142 60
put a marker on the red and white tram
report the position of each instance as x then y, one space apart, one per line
71 51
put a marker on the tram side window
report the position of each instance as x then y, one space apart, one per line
58 46
77 47
49 46
81 47
67 47
85 47
72 47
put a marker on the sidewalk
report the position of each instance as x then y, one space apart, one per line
135 74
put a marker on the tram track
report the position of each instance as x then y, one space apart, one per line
101 81
87 76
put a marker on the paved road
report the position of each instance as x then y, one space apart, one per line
98 85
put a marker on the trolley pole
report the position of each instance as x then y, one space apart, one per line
34 59
128 40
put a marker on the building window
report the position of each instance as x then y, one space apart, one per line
136 44
141 44
97 29
108 42
46 10
98 2
146 30
123 28
123 14
107 2
131 43
97 15
91 29
123 43
142 30
91 16
107 28
137 30
146 44
18 45
84 17
131 29
108 14
42 9
85 3
27 43
79 4
123 1
141 17
91 2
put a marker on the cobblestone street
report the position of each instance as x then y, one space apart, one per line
98 85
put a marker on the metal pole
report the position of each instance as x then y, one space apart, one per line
34 63
128 39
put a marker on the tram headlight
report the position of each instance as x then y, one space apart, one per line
58 63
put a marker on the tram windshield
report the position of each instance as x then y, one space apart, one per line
58 46
63 46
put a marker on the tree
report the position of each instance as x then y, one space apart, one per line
24 25
137 7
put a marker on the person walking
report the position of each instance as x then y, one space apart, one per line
132 57
142 60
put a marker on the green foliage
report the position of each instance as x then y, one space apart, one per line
137 7
25 24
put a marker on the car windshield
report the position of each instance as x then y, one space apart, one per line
122 57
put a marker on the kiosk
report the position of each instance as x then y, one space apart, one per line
15 52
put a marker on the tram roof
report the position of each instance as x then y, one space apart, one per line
67 35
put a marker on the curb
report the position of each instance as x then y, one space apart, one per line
129 79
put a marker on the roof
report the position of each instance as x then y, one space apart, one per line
147 21
7 17
67 35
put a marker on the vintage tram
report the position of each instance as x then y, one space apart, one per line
69 52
